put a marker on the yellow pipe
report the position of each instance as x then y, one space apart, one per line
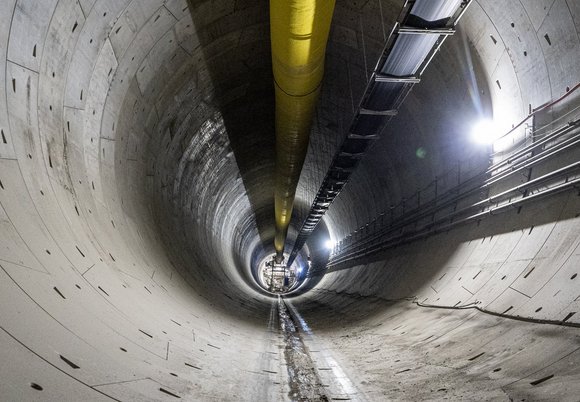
299 32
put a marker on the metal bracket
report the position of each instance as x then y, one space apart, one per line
392 78
377 112
427 31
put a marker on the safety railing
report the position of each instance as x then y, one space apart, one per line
469 200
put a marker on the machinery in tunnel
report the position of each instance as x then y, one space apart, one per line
278 278
422 232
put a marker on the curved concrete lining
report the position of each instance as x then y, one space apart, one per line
136 193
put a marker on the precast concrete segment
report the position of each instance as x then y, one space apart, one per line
63 219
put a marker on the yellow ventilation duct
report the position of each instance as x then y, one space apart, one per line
299 32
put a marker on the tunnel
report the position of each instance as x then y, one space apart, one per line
137 170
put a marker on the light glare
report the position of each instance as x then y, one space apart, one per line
485 132
329 244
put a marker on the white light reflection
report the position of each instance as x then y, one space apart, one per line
329 244
486 132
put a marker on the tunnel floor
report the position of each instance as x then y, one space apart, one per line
410 353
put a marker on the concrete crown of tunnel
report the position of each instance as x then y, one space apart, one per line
136 189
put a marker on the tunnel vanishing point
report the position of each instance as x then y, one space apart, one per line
428 241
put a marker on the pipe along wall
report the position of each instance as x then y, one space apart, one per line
299 32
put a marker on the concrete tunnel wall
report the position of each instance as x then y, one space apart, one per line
136 174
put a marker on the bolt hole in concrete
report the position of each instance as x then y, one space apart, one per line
476 356
70 363
541 380
568 316
59 292
35 386
192 366
169 393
